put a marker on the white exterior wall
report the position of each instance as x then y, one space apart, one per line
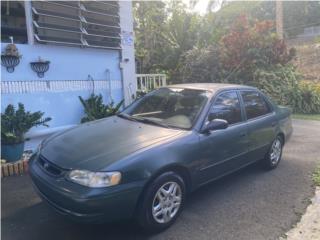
57 92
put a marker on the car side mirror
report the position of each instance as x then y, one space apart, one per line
215 124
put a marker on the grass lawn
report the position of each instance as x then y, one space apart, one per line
316 176
306 116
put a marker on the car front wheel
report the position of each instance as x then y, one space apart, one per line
162 202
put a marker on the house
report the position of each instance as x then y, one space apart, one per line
68 49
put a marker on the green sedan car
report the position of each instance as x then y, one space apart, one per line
142 163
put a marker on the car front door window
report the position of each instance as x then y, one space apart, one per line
227 106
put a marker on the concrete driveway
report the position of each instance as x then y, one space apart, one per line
250 204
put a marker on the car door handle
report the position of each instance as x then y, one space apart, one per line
273 124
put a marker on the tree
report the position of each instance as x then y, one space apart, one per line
296 14
248 45
148 26
181 34
201 65
164 32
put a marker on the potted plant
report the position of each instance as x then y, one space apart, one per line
10 58
14 125
40 67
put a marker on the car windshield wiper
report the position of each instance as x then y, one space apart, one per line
141 119
127 116
150 121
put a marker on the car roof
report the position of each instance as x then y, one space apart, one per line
213 87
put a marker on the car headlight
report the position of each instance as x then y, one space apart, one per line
95 179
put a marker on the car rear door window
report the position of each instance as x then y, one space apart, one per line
255 105
227 106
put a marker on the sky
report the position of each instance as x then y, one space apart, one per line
201 6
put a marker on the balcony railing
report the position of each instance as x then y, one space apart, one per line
148 82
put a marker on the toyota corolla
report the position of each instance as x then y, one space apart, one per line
144 161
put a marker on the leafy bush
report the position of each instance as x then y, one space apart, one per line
201 65
316 176
283 85
15 123
305 98
94 108
250 53
248 46
277 82
252 45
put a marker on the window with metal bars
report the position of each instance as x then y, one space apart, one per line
80 23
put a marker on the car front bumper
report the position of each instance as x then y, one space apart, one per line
82 203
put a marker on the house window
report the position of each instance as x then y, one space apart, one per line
80 23
13 22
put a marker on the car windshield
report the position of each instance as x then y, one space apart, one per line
168 107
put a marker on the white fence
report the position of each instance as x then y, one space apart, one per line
148 82
8 87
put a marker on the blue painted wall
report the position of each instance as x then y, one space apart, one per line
66 63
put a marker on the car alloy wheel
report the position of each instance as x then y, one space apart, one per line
166 202
275 153
162 202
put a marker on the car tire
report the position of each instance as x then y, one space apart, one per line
162 202
273 156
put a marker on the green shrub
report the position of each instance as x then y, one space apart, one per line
283 85
248 46
251 45
94 108
305 98
277 82
201 65
316 176
15 123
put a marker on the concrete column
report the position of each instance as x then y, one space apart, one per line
29 24
127 61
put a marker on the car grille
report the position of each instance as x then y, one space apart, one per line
49 167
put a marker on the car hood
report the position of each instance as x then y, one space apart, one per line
94 146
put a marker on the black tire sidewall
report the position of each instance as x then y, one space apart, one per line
146 220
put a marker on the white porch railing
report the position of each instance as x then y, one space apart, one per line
148 82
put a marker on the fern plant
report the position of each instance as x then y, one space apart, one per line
94 108
15 123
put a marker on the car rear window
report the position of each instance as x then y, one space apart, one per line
255 105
